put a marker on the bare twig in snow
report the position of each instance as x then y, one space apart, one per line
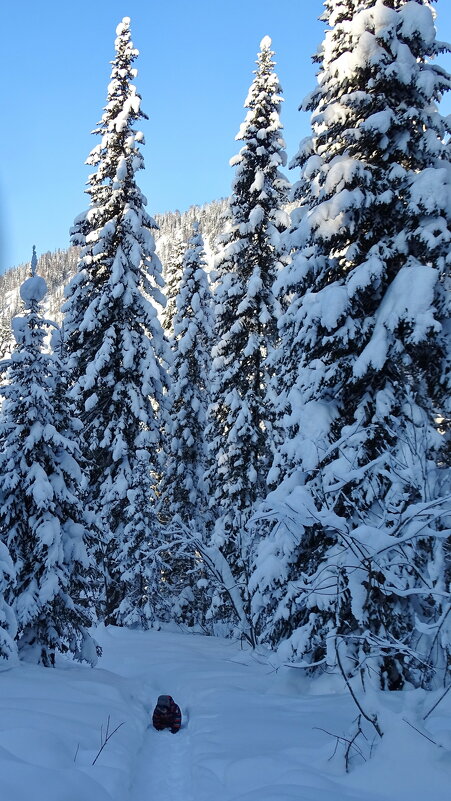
437 702
108 736
420 732
350 744
372 720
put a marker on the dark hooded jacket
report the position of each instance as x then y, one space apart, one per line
166 714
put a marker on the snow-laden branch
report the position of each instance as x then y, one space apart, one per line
191 543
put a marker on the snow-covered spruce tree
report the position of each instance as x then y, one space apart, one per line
116 348
8 622
5 337
240 414
183 497
41 514
138 554
173 266
182 492
355 568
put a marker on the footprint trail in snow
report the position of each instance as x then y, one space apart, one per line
163 768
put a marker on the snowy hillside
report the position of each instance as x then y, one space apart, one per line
249 733
175 224
58 267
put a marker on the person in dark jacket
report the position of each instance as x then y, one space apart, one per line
166 714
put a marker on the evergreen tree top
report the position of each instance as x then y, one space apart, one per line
259 188
123 106
34 261
370 31
338 11
264 96
34 288
123 26
194 251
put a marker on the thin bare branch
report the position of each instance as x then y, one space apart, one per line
372 720
420 732
437 702
108 736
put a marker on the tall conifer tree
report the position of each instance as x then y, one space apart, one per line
182 491
183 495
363 571
8 621
41 513
115 341
240 413
138 552
173 274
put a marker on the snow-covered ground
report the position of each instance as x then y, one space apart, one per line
249 733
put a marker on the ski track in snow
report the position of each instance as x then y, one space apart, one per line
163 768
202 762
249 733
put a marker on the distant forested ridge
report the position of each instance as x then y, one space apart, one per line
58 266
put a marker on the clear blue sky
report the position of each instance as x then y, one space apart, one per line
195 66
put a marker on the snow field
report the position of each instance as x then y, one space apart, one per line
249 733
50 734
